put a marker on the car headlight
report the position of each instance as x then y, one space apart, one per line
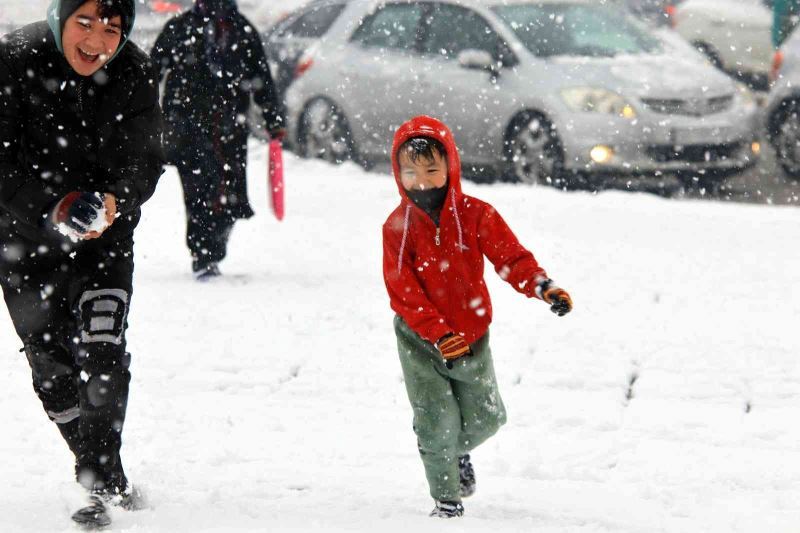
587 99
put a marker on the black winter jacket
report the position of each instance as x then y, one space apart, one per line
208 90
61 132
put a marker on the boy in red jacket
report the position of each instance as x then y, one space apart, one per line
433 248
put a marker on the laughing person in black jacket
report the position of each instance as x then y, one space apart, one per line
80 152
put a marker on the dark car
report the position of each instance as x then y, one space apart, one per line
289 38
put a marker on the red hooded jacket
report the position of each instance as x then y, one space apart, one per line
435 275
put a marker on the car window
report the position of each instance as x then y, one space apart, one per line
313 23
554 29
453 29
597 31
394 26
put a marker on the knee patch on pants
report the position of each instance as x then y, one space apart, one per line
103 313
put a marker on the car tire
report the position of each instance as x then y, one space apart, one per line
784 128
532 152
324 133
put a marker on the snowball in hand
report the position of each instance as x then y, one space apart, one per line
85 214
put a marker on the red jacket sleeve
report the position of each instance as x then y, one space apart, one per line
406 295
512 261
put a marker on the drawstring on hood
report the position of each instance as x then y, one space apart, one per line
404 239
425 126
60 10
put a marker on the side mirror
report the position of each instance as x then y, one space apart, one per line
478 60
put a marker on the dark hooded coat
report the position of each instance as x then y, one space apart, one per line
213 61
61 132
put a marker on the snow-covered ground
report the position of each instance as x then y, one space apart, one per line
272 400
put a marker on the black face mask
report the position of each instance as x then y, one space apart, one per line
429 200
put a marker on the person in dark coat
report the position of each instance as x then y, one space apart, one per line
213 61
80 152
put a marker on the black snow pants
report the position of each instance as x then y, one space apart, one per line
213 171
70 311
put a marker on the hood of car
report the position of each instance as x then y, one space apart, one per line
645 76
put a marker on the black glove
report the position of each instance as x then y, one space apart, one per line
559 299
78 210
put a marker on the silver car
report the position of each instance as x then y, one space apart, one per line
544 91
783 106
289 38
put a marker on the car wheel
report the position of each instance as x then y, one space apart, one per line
786 137
533 152
324 133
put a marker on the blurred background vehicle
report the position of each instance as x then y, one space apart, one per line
783 106
288 39
735 35
547 92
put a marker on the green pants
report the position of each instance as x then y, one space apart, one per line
455 409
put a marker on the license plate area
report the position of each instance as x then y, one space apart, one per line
706 135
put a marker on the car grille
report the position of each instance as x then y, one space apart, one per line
693 107
696 153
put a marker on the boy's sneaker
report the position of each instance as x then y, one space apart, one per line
447 510
466 476
206 272
94 515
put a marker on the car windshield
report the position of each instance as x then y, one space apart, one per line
576 29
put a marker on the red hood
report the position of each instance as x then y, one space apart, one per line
425 126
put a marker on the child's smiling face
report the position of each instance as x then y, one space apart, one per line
424 173
89 41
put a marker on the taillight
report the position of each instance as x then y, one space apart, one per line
161 6
669 13
303 65
777 63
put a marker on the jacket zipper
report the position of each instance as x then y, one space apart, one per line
80 95
436 238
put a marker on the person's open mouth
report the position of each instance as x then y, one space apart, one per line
88 57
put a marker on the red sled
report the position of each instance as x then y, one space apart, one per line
276 178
